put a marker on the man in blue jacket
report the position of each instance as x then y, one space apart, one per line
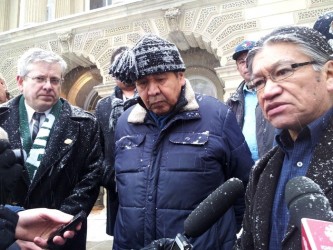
258 132
172 149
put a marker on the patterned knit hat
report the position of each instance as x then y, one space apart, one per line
150 55
324 25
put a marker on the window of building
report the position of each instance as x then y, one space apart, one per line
95 4
50 10
203 85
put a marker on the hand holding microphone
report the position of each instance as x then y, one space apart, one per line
203 216
10 167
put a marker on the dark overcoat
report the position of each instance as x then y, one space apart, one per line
103 111
69 174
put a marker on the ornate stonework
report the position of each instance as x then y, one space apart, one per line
214 26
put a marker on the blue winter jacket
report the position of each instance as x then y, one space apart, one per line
163 174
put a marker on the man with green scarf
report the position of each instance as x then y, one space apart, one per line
62 168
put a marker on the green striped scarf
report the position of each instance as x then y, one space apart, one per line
36 150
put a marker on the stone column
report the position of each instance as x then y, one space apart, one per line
35 11
62 8
4 13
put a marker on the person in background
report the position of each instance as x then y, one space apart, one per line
292 73
34 225
107 112
258 132
181 146
63 165
324 24
4 94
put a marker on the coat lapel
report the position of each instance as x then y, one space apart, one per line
270 167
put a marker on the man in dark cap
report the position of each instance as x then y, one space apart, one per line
292 72
173 149
258 132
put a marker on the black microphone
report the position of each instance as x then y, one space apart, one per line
305 199
13 155
213 207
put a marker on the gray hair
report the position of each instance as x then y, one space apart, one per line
308 40
35 55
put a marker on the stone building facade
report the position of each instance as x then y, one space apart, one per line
86 32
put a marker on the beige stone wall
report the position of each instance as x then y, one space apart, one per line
87 39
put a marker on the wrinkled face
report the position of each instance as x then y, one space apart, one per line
241 67
41 86
297 100
160 92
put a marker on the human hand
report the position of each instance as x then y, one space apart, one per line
27 245
160 244
37 224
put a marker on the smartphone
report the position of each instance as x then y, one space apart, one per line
69 226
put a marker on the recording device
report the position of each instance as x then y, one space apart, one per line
209 211
78 218
311 212
16 155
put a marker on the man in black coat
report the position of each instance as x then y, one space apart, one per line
292 72
107 112
64 157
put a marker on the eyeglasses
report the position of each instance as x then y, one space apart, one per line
279 73
43 79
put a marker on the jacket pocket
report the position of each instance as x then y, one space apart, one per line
190 138
128 148
129 142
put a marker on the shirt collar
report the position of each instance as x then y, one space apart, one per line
31 111
313 131
247 90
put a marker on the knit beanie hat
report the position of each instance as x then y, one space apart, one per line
324 25
150 55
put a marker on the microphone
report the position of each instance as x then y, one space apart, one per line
213 207
311 212
13 155
305 199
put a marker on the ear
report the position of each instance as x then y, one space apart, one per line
181 76
328 75
19 80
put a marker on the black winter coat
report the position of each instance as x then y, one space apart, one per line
68 177
103 112
261 191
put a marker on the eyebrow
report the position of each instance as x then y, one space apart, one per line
277 63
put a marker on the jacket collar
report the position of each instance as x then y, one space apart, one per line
139 112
